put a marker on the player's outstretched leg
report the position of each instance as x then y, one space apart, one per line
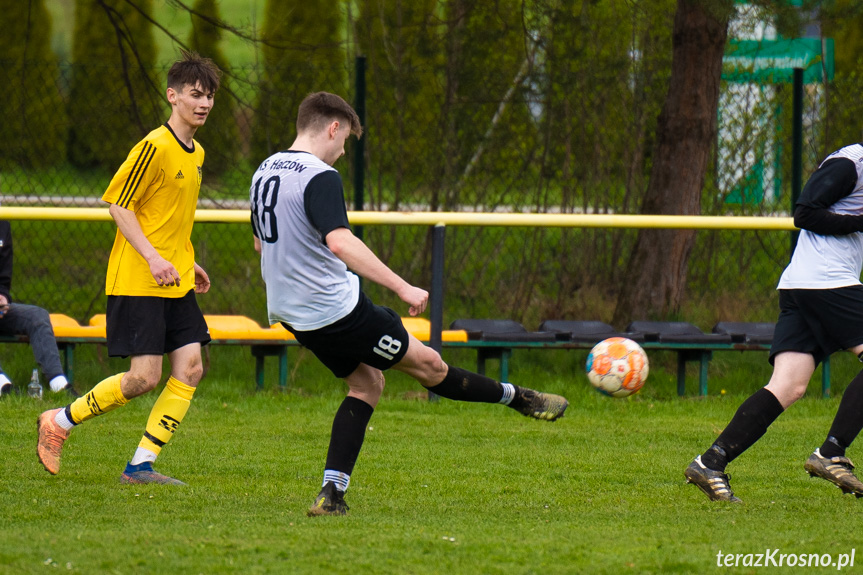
462 385
837 470
538 404
330 501
51 440
713 483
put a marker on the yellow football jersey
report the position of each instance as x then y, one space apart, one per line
159 181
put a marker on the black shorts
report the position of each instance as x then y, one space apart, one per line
370 334
145 325
818 321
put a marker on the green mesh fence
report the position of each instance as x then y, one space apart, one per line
500 146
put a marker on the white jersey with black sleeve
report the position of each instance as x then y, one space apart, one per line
829 252
296 200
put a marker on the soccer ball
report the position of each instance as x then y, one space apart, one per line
617 367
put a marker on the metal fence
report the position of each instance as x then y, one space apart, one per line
512 143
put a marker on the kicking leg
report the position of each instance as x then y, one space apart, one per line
426 366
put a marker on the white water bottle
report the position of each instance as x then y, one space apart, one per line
34 388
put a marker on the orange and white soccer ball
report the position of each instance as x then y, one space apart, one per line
617 367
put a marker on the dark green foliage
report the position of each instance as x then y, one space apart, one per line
114 98
842 22
604 61
456 77
606 66
447 111
303 53
488 123
32 119
220 135
576 134
404 48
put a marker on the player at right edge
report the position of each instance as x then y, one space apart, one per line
820 312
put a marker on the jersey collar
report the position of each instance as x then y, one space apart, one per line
182 145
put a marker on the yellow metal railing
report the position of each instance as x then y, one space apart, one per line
453 219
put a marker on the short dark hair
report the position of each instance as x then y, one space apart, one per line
194 68
319 109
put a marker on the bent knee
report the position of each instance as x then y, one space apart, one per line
434 369
798 392
379 384
193 373
373 387
787 393
135 384
368 388
42 316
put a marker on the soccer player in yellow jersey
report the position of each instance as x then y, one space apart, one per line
152 278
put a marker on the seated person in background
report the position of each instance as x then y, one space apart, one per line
29 320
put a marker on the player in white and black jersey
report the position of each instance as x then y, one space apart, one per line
309 258
821 311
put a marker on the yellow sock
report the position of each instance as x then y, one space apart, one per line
105 396
167 414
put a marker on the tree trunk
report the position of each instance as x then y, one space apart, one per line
685 134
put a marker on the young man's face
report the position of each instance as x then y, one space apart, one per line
336 148
191 104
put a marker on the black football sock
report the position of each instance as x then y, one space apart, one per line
748 425
848 421
462 385
349 431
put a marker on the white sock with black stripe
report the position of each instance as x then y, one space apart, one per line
508 393
339 478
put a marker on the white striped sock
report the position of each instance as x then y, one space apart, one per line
63 421
340 479
508 393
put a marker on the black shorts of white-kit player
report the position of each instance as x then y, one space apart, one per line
147 325
370 334
818 321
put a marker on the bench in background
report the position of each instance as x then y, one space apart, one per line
272 341
495 339
224 330
240 330
491 339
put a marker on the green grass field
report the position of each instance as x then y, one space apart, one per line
439 487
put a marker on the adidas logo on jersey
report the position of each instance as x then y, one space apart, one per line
179 175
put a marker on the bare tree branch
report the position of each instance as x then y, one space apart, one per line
501 108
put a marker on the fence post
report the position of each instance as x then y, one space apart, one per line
796 147
436 295
359 155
